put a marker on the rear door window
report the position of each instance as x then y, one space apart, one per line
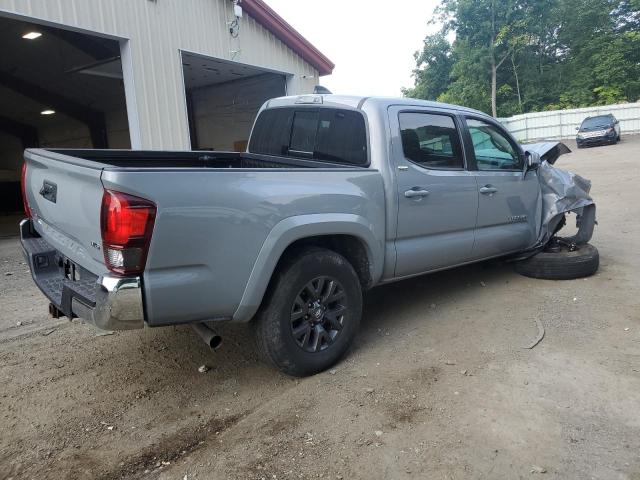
431 140
323 134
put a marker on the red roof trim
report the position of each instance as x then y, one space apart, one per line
273 22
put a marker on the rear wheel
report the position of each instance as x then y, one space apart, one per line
561 263
312 313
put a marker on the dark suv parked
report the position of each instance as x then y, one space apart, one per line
598 130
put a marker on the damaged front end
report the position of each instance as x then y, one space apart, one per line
562 192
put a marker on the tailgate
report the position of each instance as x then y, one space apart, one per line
65 197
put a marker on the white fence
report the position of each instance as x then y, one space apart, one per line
558 124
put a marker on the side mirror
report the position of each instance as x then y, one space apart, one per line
578 128
531 162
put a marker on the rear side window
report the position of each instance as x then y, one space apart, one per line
323 134
431 140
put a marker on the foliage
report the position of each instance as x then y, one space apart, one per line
433 81
531 55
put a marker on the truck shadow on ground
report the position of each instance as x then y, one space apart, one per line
414 301
152 358
385 304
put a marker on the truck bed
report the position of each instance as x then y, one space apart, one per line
219 214
142 159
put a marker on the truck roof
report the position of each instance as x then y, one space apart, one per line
355 101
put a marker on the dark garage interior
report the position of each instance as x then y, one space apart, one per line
58 88
223 99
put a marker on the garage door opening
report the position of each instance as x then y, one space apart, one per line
58 88
223 99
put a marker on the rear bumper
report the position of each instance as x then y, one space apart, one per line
109 302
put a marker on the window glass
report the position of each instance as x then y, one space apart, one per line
492 148
342 137
595 122
272 132
325 134
303 134
431 140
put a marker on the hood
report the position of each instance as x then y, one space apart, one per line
549 151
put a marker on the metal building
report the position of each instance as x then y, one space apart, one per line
141 74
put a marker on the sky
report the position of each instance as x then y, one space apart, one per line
372 42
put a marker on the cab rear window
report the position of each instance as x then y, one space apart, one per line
323 134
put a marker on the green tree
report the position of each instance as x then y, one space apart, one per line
491 31
514 56
433 70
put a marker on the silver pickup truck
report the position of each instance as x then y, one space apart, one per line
334 195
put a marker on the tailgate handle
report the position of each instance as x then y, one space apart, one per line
49 191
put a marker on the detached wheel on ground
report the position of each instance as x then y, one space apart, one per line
311 314
561 264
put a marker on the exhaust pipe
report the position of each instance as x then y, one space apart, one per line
209 336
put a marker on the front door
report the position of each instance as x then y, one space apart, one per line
437 197
509 202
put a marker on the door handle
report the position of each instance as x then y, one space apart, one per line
488 190
416 192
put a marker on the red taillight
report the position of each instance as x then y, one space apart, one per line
127 224
23 188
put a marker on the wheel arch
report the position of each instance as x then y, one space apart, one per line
350 235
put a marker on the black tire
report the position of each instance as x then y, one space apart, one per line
321 340
562 265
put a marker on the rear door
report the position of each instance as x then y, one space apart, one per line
65 197
509 202
437 197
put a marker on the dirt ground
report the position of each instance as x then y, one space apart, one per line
437 386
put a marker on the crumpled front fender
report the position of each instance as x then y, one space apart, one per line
562 192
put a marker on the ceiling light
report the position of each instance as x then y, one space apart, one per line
31 35
47 112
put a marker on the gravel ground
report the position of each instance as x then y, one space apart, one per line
437 386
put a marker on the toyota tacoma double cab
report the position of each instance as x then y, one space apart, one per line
334 195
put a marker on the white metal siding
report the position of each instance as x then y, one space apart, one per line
562 123
157 31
